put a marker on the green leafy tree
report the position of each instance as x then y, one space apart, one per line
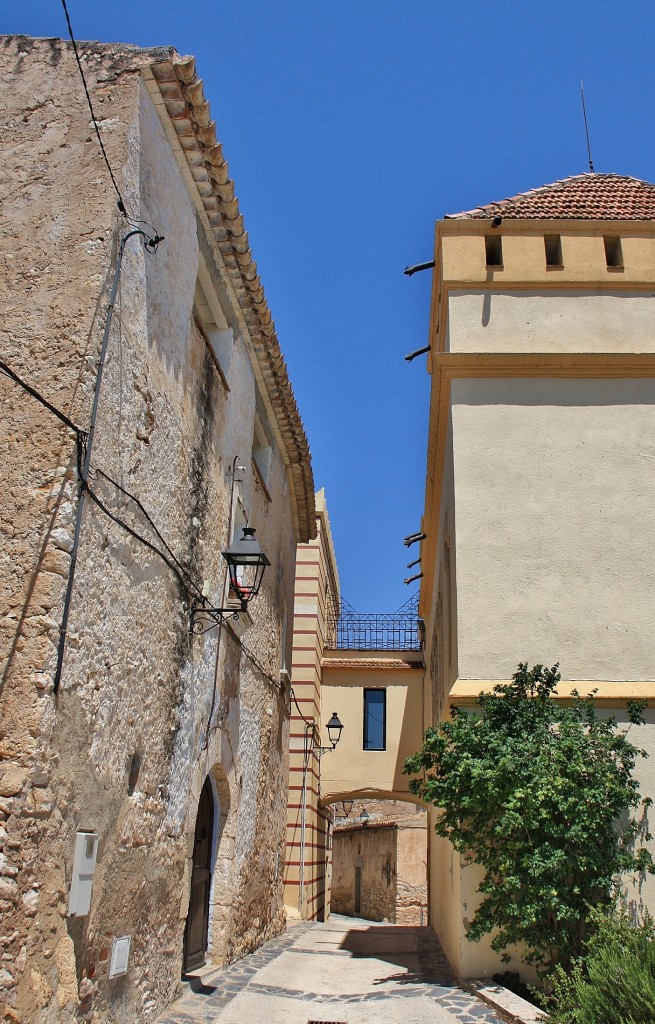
539 794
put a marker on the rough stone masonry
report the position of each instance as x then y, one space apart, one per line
145 711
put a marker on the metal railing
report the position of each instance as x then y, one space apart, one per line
376 631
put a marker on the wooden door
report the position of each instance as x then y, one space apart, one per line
358 891
195 935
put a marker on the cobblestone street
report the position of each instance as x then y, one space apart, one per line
346 970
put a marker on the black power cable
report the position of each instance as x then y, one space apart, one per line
168 557
44 401
121 204
139 505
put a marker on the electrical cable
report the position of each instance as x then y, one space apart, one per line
168 557
137 536
187 583
132 497
149 243
44 401
121 204
307 721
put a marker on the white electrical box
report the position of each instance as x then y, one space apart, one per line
84 865
120 955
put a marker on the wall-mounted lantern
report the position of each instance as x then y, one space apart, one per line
246 563
334 730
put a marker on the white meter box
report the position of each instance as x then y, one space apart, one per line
84 866
120 956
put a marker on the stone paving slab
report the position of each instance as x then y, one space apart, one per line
287 1010
345 971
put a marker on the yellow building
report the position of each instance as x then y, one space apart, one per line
539 495
369 670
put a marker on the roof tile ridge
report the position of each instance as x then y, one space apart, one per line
545 189
553 185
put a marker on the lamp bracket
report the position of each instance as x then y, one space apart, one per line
203 618
318 751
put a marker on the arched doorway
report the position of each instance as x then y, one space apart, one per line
195 934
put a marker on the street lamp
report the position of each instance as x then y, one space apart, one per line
334 730
246 563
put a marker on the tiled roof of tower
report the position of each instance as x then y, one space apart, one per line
582 197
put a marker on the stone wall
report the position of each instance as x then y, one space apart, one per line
369 852
135 681
392 860
412 856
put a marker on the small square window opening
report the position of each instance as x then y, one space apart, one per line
493 247
613 251
553 247
262 451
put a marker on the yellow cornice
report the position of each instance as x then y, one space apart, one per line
543 364
524 226
465 692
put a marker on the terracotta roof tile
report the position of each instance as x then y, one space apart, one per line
183 97
373 664
582 197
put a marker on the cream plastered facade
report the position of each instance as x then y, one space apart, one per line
138 691
539 498
350 772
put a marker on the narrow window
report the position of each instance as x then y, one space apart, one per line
358 890
375 719
613 251
493 246
553 246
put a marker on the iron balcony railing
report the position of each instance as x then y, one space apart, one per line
376 631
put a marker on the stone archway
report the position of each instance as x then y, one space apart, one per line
210 840
224 842
379 859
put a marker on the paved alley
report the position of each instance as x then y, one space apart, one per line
345 971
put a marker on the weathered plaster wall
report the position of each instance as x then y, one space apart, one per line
135 681
554 516
372 851
410 823
351 771
411 882
392 860
533 321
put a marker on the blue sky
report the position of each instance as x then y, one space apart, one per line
350 127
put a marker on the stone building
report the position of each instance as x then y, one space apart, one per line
379 861
539 502
142 764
